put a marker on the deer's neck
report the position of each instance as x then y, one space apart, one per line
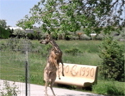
55 46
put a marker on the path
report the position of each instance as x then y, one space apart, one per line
37 90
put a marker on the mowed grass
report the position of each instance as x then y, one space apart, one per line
12 63
11 66
87 56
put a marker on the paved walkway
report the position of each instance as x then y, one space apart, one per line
37 90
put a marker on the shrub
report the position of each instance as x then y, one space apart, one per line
19 33
34 35
4 33
108 88
85 37
9 90
99 37
73 51
112 60
16 44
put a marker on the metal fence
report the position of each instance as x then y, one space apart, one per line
14 67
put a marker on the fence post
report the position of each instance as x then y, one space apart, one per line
27 88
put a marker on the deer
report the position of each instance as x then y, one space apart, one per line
52 66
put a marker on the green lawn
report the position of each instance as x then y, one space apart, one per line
12 63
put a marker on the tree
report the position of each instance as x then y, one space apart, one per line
19 33
3 23
63 16
25 23
112 60
4 33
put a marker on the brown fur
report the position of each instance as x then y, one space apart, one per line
49 76
54 58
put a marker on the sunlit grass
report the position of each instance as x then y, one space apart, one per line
12 63
110 88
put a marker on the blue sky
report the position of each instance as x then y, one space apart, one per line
14 10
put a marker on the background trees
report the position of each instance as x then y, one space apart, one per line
3 23
62 16
4 31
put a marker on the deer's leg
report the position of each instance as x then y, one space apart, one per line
57 66
51 87
46 84
52 82
46 79
58 72
62 68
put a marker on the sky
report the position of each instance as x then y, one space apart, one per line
15 10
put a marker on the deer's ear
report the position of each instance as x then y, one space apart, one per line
48 36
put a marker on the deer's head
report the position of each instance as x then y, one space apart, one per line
47 40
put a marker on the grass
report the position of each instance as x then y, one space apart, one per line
12 63
111 88
11 66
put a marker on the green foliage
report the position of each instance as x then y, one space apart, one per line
121 36
55 16
112 60
73 51
26 23
3 23
19 33
9 90
15 44
33 36
4 33
108 88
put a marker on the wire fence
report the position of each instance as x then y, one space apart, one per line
14 67
22 62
